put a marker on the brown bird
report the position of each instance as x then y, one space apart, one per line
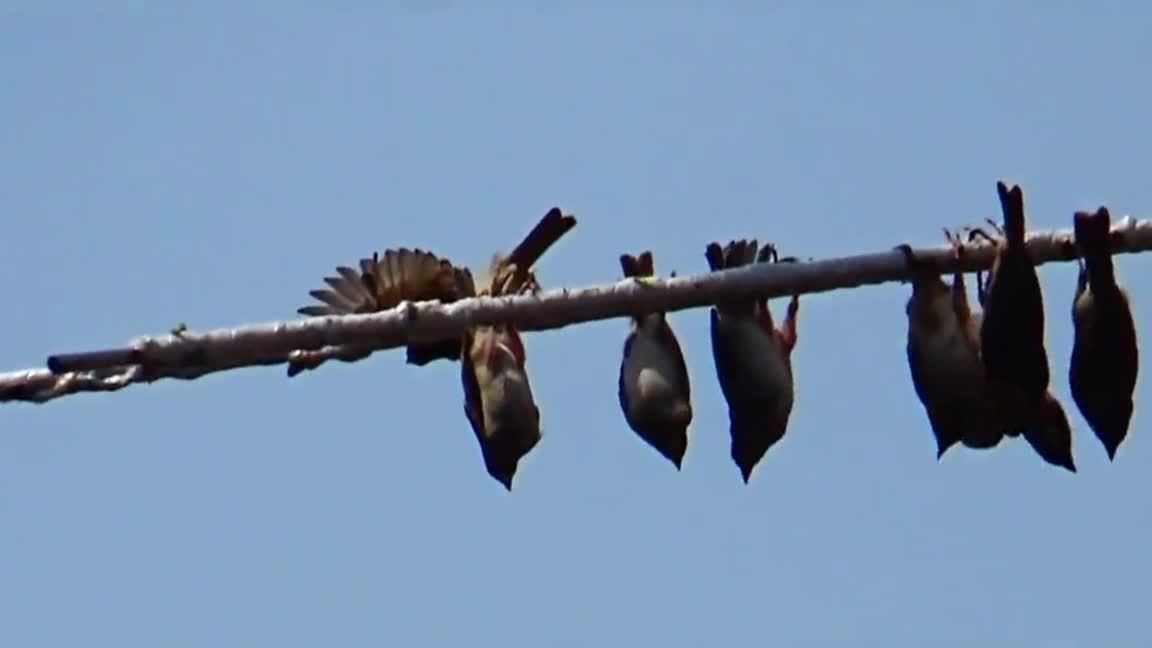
1012 342
944 357
1105 358
753 360
384 281
498 399
653 387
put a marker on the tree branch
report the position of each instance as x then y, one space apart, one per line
305 343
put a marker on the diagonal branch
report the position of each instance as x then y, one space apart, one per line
188 355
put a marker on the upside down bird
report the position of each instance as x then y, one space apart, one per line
498 400
943 351
1012 342
1105 356
653 387
753 359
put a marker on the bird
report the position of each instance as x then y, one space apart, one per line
752 359
1012 341
943 349
1105 356
1012 333
654 389
498 400
385 280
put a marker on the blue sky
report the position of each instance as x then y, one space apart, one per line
211 165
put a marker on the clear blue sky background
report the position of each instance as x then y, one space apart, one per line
211 165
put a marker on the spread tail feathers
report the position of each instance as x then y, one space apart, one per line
385 281
349 294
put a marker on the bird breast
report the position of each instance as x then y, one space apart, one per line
1082 309
506 398
502 382
943 342
650 371
761 358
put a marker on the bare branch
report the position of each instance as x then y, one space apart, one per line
308 342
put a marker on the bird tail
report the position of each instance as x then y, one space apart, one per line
734 255
1012 205
640 265
384 281
1093 237
550 229
349 293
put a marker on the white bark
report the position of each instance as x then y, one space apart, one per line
306 343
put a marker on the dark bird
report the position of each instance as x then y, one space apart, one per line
753 360
653 387
498 399
1012 333
944 357
384 281
1105 358
1012 342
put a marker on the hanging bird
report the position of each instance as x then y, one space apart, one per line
385 281
498 399
1012 334
753 360
1012 342
1105 358
944 357
993 402
653 386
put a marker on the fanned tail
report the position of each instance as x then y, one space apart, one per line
386 279
349 294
